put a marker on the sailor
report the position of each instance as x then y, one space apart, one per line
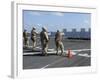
58 42
25 38
33 37
44 40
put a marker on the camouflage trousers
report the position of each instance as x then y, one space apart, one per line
59 45
26 42
34 42
44 48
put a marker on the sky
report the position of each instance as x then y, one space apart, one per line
55 20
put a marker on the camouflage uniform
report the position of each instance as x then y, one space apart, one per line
58 42
25 37
33 37
44 41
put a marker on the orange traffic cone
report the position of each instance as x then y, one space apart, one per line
69 54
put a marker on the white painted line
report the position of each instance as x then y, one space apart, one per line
36 53
30 53
32 47
52 63
84 55
81 50
53 51
38 47
41 48
66 50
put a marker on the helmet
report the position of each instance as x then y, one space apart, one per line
34 28
44 28
58 30
25 30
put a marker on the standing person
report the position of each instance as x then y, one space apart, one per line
44 40
25 38
33 37
58 42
